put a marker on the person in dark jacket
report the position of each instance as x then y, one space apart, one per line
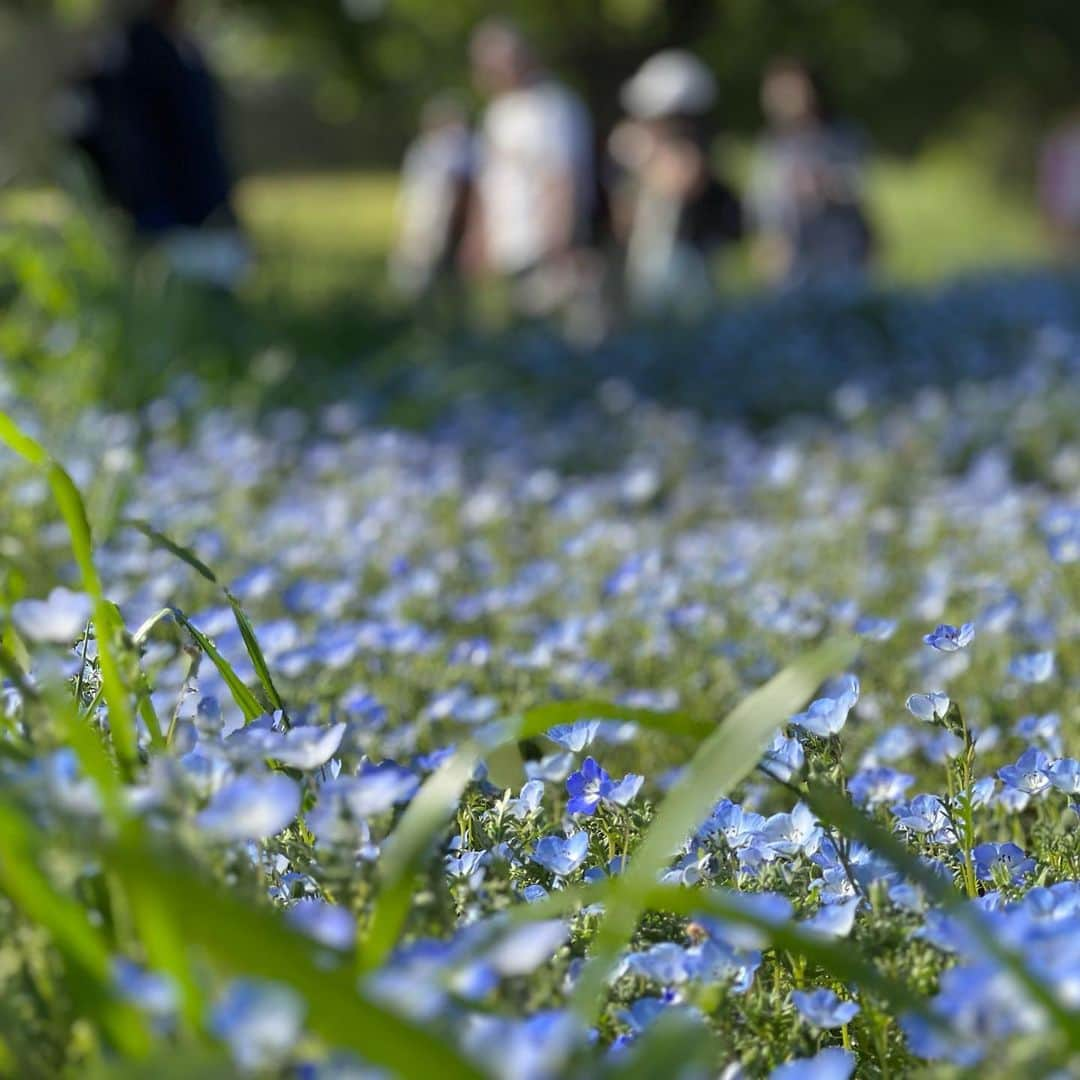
149 122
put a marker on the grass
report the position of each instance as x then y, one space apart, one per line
939 215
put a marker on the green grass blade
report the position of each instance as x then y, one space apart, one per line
723 759
87 957
673 1039
72 509
184 554
837 958
540 718
244 698
22 444
256 942
247 631
255 653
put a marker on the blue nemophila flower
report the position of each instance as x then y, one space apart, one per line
993 861
1036 667
835 919
432 760
875 627
874 787
528 802
737 826
251 808
465 865
1065 775
644 1011
669 964
328 924
827 715
305 747
522 949
377 788
928 707
1031 773
794 833
591 785
59 619
948 638
1044 729
532 1049
926 815
552 767
154 994
574 737
260 1021
823 1009
832 1063
768 906
562 855
784 757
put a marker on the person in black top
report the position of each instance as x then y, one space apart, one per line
671 211
148 119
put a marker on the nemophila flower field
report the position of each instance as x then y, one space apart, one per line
635 744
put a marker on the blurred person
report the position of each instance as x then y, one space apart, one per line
670 210
1059 185
147 115
805 197
436 184
535 178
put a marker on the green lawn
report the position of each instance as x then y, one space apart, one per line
938 215
325 236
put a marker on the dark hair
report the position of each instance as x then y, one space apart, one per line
794 65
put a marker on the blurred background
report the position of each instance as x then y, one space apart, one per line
349 166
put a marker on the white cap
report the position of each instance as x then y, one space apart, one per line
671 83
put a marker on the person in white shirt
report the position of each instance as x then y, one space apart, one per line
535 178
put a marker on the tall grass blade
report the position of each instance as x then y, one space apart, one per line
106 621
239 939
723 759
244 698
247 631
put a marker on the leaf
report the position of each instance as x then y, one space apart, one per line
72 509
244 698
88 960
723 759
255 942
541 718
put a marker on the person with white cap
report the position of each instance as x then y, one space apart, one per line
669 209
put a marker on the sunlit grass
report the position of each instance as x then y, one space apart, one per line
325 235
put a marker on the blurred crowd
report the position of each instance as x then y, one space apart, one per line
585 226
527 196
